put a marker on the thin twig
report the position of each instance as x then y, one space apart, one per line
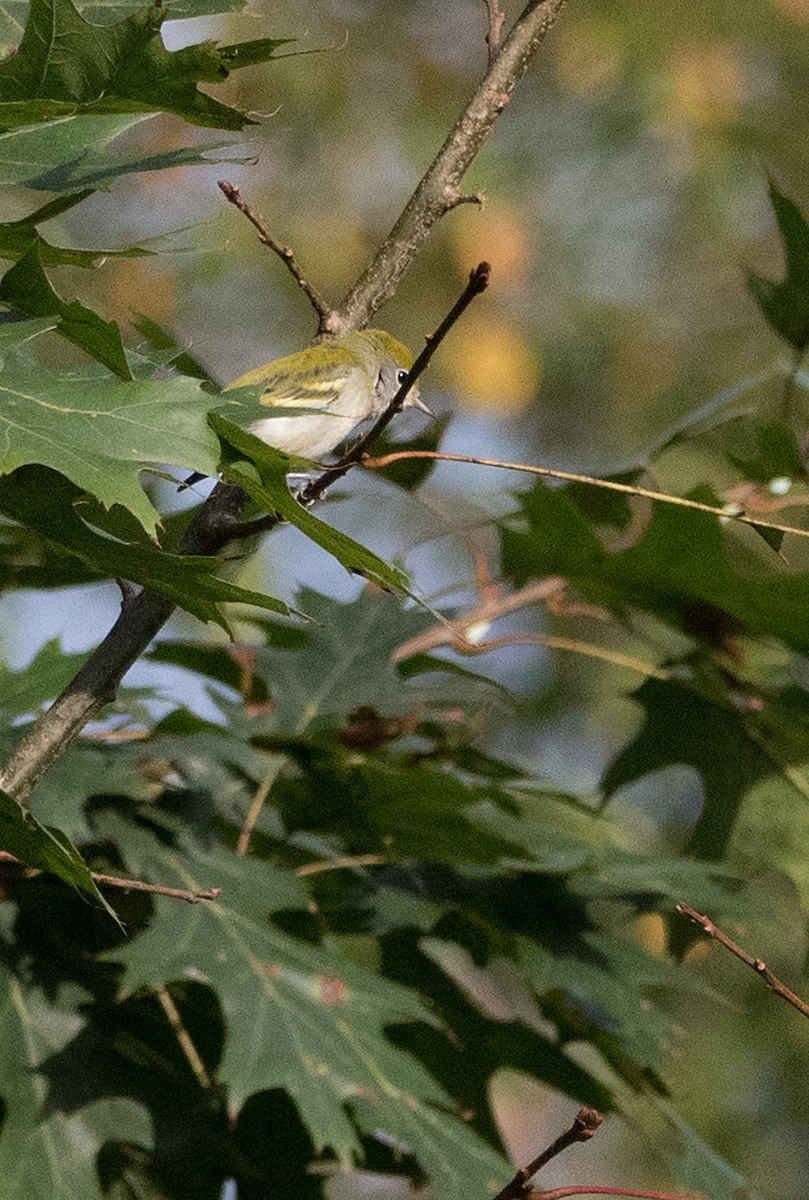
128 885
586 1123
772 981
349 862
478 282
571 645
494 27
729 513
328 318
156 889
489 609
256 805
583 1190
184 1039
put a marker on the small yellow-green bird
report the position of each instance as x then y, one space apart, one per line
334 386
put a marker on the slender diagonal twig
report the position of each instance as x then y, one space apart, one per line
129 885
327 317
478 282
581 1189
772 981
192 1055
439 188
316 488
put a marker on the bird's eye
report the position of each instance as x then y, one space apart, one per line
401 376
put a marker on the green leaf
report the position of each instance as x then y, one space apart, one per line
345 662
697 1166
44 848
49 671
26 288
105 12
101 432
168 350
681 569
47 503
785 304
273 496
48 1154
74 153
300 1017
752 769
120 68
393 807
18 237
97 169
682 726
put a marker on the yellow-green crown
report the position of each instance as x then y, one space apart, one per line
385 343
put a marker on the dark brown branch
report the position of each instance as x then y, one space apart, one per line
438 190
97 682
327 319
586 1123
494 28
772 981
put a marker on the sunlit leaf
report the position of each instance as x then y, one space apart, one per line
45 849
26 288
121 68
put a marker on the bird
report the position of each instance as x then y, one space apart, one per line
323 393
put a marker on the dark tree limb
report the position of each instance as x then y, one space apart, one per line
141 618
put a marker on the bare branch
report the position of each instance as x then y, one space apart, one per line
552 642
489 609
586 1123
129 885
256 805
494 28
583 1190
772 981
439 188
350 862
328 319
727 513
192 1055
155 889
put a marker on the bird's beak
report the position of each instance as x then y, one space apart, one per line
413 400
